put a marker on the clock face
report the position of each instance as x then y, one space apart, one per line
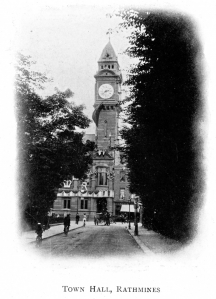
105 91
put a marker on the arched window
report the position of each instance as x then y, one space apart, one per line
122 176
102 176
122 193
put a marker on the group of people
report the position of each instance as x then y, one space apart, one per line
124 218
105 217
77 218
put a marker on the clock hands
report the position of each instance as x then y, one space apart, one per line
106 90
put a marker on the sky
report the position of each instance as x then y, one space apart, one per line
66 42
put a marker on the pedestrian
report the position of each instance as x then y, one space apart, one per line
39 229
122 219
66 223
95 219
84 219
107 219
77 218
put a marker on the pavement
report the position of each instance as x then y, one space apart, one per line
152 243
149 241
30 236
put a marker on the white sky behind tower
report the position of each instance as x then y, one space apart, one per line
66 42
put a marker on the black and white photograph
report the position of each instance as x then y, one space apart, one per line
108 177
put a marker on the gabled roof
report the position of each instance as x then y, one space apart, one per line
108 53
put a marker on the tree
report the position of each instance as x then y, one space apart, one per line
163 111
49 148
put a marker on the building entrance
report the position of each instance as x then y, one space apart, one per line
101 205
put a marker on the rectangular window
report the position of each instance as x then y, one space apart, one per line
102 176
84 203
112 66
66 203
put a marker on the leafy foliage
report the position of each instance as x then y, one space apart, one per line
50 150
162 144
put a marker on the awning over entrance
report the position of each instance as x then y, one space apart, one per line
125 208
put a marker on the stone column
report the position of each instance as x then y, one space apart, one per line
110 184
93 182
92 208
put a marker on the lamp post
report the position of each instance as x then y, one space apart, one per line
131 198
141 212
135 216
129 224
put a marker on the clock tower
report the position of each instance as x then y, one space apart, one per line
107 97
106 187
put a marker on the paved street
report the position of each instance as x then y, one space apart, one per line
100 241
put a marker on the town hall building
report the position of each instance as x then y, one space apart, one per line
106 186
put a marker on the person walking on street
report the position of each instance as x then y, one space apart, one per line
95 219
66 223
84 219
122 219
77 218
107 219
39 230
